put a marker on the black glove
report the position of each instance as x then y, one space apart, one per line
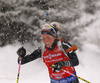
21 52
58 65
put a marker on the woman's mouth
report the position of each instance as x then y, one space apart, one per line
47 44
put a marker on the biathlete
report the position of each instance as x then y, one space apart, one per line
56 55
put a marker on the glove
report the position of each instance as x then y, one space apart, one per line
58 65
21 52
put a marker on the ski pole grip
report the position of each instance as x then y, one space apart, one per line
53 66
73 48
20 58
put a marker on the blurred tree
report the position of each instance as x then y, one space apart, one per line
13 30
21 19
4 7
90 6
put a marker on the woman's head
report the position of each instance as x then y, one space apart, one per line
48 40
49 33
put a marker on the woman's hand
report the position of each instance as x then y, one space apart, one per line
58 65
21 52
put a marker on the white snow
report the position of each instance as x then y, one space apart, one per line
89 63
36 71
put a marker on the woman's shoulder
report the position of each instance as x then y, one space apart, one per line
65 43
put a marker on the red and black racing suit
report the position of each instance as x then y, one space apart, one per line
52 55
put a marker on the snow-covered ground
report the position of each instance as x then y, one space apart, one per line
36 71
89 63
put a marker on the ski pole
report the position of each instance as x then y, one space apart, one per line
19 69
70 74
76 76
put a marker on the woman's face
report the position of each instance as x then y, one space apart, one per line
48 40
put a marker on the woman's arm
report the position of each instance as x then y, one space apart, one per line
36 54
72 55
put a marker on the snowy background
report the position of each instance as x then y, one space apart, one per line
36 71
85 27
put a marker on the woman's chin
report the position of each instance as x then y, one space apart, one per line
48 46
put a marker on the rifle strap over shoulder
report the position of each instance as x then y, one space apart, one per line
61 48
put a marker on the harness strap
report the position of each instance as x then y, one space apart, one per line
61 48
